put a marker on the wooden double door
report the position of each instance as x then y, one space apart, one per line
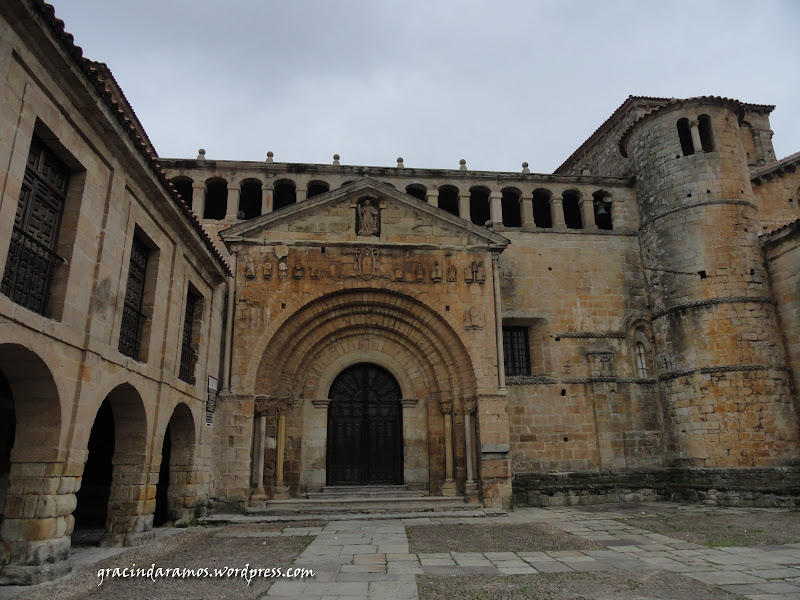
365 428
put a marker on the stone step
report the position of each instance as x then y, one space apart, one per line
340 504
470 513
372 491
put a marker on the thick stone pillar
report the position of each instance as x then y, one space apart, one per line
300 194
131 503
463 207
526 200
449 484
199 198
587 213
267 195
38 522
433 198
557 212
232 207
496 207
281 490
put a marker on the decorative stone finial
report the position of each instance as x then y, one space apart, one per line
463 164
270 154
525 168
336 159
585 172
201 154
400 164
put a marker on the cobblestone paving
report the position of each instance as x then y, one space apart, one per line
364 559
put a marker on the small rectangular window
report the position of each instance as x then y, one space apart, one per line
188 349
31 263
641 361
516 351
130 335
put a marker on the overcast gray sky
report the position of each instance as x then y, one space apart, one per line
496 83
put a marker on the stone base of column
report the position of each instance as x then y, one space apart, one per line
33 574
449 487
281 492
34 562
472 493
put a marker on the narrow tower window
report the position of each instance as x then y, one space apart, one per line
685 135
706 136
641 361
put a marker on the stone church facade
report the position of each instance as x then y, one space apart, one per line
180 335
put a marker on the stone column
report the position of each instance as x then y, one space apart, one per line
226 360
232 209
131 503
498 323
261 441
496 207
471 487
449 484
695 129
300 194
433 198
38 522
199 198
527 209
463 206
587 213
281 490
267 193
557 212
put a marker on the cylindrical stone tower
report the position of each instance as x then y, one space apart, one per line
720 357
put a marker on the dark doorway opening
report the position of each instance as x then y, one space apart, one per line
161 514
365 428
92 498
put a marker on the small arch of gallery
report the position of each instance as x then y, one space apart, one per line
110 481
510 207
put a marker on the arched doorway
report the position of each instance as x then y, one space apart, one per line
365 428
177 463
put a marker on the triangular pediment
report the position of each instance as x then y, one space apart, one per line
365 211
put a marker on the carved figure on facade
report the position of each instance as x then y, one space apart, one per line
298 271
333 271
249 267
283 269
480 273
419 272
313 272
436 272
452 273
368 218
366 259
473 319
242 307
469 273
266 269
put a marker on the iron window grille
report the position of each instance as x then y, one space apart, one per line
32 260
516 351
130 335
188 353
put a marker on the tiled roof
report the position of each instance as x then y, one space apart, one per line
96 74
779 165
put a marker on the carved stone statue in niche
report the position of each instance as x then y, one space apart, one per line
368 218
420 272
298 271
473 319
452 274
312 272
283 269
366 260
266 269
242 307
480 275
249 267
333 270
468 273
436 272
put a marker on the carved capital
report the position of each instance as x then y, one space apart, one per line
446 406
469 406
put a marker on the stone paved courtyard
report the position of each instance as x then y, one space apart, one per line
371 558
